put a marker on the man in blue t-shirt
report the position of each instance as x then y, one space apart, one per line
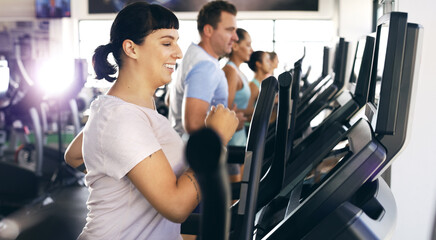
200 82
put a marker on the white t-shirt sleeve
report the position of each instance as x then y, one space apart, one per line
127 141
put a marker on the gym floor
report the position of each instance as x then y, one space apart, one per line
52 206
60 214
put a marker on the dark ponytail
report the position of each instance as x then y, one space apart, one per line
255 57
134 22
102 68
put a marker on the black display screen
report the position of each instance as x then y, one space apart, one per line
386 72
381 57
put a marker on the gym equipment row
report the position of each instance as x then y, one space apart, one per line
33 173
350 200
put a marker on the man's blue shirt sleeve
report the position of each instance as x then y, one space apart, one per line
200 82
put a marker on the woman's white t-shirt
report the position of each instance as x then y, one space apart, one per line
117 136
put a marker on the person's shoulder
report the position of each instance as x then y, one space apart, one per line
114 107
106 104
230 67
198 60
253 84
230 71
198 53
193 51
208 67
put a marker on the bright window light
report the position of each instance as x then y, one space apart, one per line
4 75
293 35
187 34
55 77
286 37
93 33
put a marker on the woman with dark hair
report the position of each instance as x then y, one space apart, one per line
260 64
139 184
274 61
239 92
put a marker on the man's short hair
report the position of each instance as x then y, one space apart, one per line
210 13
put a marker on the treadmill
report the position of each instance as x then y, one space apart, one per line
307 93
253 156
262 179
213 179
352 201
310 105
344 106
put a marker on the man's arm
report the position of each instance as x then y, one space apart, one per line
194 114
200 88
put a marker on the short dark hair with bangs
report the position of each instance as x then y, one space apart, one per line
210 13
135 22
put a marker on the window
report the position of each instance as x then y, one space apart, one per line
293 35
93 33
286 37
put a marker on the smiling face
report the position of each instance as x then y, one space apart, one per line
224 35
158 54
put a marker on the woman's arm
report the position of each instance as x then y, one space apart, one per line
173 197
73 154
234 83
251 102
